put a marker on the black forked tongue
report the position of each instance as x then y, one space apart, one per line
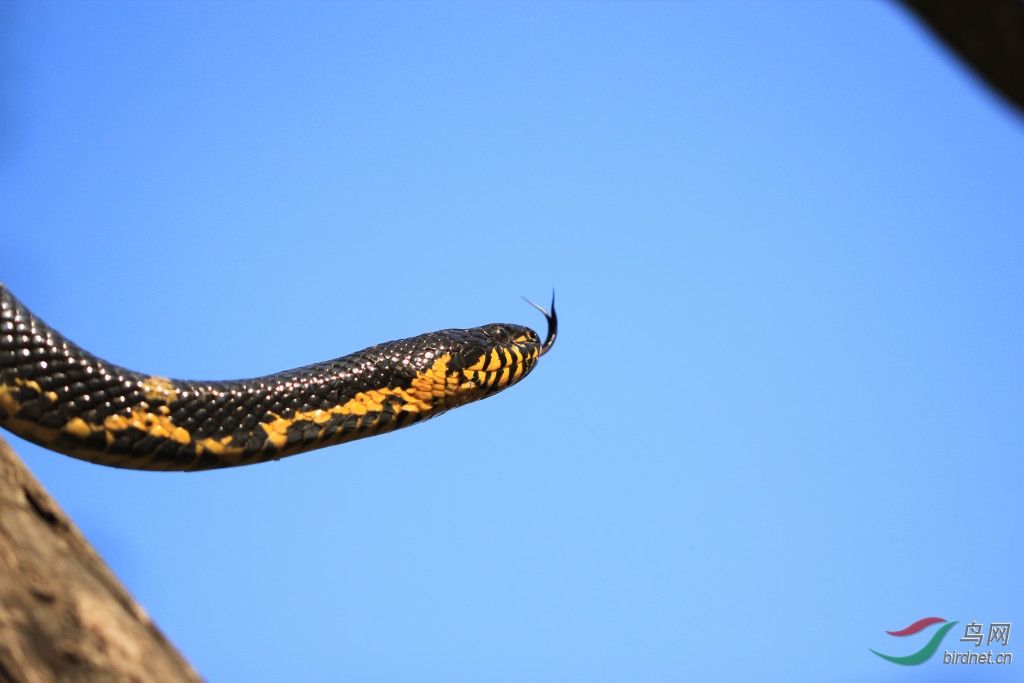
552 323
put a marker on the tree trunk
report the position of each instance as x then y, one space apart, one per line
64 616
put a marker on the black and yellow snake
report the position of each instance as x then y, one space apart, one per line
56 394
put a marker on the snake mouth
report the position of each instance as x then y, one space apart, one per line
502 366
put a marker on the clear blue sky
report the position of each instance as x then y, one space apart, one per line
785 413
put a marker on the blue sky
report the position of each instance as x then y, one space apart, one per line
786 410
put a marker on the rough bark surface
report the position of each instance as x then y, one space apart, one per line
64 616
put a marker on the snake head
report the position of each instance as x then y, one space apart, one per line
484 360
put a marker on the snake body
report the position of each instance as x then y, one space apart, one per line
56 394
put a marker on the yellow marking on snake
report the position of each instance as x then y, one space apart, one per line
159 389
434 387
492 361
76 426
11 405
8 403
219 447
433 384
157 425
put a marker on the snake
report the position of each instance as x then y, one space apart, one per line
60 396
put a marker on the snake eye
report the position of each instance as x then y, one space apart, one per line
500 334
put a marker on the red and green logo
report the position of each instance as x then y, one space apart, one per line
925 653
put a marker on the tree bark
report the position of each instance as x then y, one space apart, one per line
64 616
